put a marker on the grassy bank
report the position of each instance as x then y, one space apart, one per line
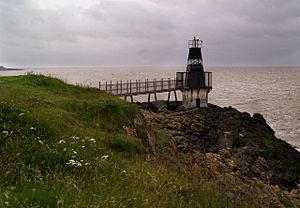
63 146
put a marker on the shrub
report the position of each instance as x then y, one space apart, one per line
162 138
129 146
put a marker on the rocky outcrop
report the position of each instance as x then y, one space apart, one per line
138 128
223 141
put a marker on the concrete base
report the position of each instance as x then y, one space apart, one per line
190 98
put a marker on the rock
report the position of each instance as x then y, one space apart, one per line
129 131
259 118
225 153
176 133
140 130
232 141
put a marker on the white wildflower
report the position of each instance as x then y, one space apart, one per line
74 163
41 142
32 128
82 146
71 161
65 149
5 132
74 152
61 141
104 157
123 171
92 140
75 137
21 114
86 163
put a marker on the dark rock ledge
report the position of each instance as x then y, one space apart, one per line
241 145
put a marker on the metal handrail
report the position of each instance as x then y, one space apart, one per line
138 87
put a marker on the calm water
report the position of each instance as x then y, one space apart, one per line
273 92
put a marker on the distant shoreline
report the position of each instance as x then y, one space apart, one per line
2 68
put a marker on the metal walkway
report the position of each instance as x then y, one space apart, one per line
130 88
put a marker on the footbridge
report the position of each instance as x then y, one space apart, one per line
130 88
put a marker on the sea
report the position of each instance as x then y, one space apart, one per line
273 92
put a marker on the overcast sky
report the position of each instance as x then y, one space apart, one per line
148 32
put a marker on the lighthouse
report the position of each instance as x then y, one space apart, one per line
195 82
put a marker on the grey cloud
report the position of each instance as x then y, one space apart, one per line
246 32
123 19
261 11
25 23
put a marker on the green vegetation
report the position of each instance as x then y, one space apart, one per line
62 146
162 138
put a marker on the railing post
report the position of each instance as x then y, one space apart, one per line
127 87
117 87
130 86
162 84
206 80
110 86
139 86
147 85
121 86
106 86
99 85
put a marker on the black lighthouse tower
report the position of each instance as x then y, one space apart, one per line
194 69
195 83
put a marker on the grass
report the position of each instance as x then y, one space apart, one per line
62 146
162 138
